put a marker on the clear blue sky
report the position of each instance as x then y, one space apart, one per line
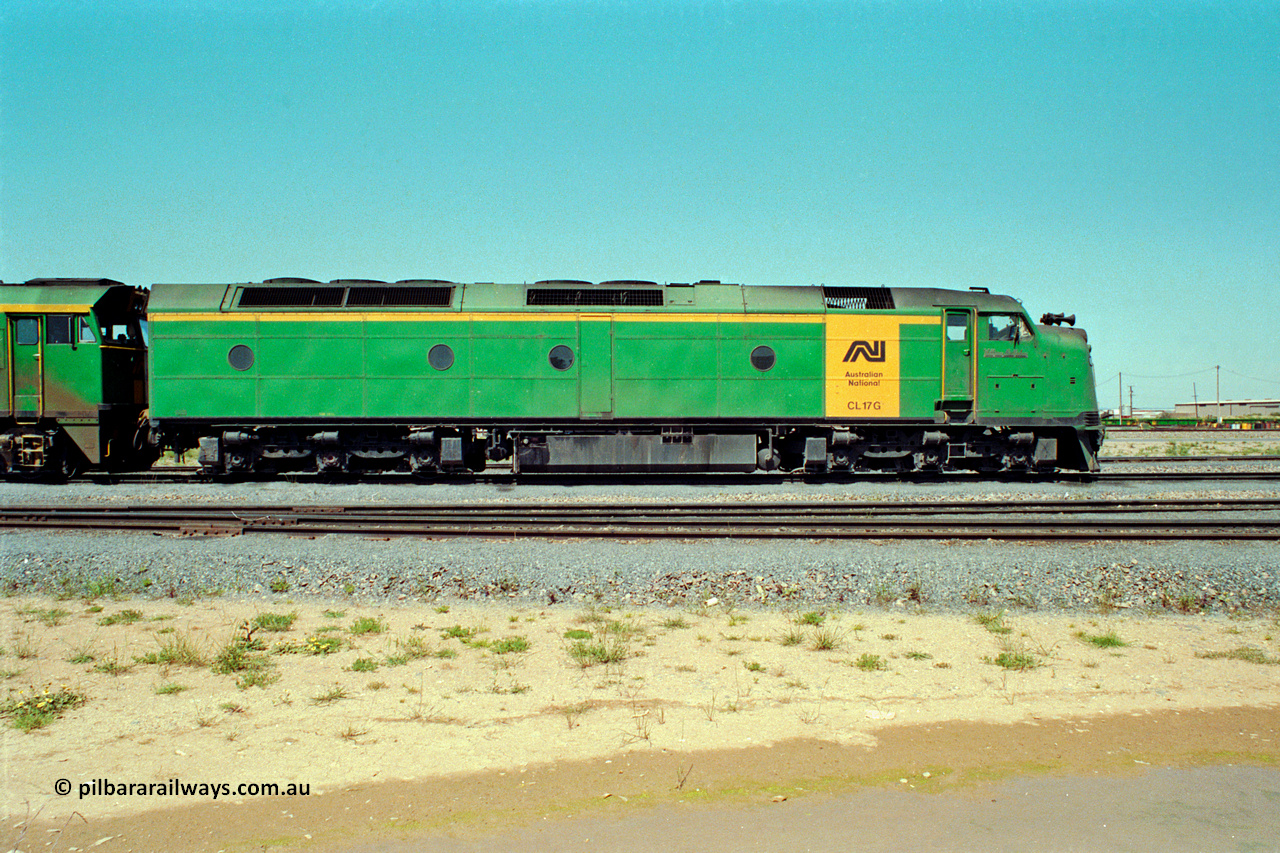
1119 161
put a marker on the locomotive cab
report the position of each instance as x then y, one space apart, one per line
74 365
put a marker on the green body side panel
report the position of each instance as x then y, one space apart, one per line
509 372
72 379
702 370
921 382
378 369
375 369
1008 375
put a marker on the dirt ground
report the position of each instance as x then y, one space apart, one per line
1226 442
433 718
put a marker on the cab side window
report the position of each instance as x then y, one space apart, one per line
57 329
68 329
1006 327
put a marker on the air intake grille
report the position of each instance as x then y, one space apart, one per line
420 297
593 296
859 298
290 297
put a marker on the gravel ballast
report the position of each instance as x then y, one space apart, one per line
942 575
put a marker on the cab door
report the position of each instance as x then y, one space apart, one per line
26 378
595 372
957 358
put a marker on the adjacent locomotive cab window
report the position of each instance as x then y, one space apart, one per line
85 335
440 357
957 327
561 357
26 331
240 357
763 358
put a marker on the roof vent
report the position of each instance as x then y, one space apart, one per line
290 297
593 296
400 297
859 298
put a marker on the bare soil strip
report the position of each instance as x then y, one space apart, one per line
463 720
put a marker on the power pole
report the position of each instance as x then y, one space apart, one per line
1121 404
1196 398
1131 401
1217 381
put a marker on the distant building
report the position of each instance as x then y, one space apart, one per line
1230 409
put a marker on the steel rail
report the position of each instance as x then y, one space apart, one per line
1130 460
836 509
1250 531
687 521
506 478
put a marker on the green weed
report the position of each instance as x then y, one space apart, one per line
1018 660
868 662
792 637
825 640
610 650
509 645
993 622
367 625
1248 654
276 622
457 632
29 710
113 667
124 617
316 644
175 650
51 617
338 692
1109 640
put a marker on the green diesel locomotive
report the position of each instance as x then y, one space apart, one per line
625 376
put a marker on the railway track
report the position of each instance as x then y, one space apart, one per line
1270 472
1248 519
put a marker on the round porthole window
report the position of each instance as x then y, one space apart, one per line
561 357
763 358
440 357
240 357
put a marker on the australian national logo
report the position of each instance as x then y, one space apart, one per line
870 350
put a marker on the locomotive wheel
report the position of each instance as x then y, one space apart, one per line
67 466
